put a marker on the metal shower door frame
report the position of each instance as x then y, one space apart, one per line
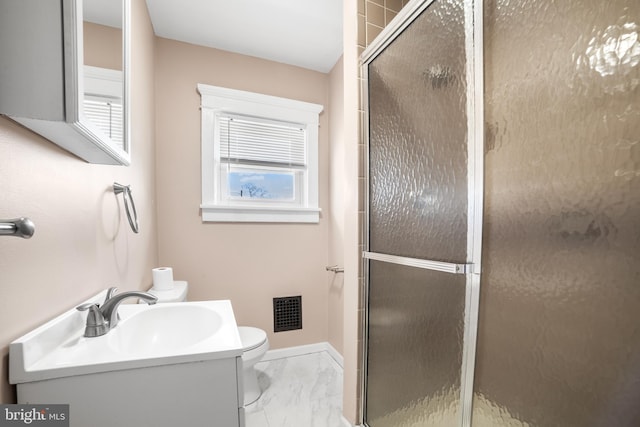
475 189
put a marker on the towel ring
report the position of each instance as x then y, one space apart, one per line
126 194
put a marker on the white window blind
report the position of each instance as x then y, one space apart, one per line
247 140
106 115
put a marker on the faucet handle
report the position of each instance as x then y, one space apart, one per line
96 325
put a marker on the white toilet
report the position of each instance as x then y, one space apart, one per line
177 294
254 341
254 345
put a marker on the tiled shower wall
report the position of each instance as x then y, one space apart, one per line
373 17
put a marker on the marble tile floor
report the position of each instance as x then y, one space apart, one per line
300 391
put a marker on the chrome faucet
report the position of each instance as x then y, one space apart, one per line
101 319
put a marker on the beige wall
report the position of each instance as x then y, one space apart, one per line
248 263
352 260
336 204
102 46
82 242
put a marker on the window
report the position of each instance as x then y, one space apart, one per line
102 103
259 157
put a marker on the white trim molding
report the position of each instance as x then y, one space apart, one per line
346 423
259 214
301 350
218 101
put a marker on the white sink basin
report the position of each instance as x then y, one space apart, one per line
165 328
146 336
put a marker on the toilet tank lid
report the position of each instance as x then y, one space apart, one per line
251 337
177 294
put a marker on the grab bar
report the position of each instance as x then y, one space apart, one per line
334 268
18 227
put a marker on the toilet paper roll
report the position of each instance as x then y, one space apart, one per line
162 278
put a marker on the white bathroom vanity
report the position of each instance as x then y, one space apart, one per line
163 365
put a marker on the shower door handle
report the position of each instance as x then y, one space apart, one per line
445 267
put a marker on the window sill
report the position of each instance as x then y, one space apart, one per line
211 213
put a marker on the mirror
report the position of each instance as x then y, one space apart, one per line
103 87
66 74
103 71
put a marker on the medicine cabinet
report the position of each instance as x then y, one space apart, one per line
64 74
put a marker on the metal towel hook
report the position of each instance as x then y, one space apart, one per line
126 194
19 227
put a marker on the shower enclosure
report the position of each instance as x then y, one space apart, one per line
503 215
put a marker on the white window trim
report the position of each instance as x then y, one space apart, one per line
103 81
215 100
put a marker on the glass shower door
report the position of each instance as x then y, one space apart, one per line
560 327
420 213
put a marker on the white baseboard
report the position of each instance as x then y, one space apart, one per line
334 354
300 350
345 423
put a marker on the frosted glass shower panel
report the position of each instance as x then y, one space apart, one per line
416 325
559 335
418 139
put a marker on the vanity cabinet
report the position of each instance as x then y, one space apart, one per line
64 74
183 370
204 393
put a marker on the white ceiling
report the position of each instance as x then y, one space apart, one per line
305 33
